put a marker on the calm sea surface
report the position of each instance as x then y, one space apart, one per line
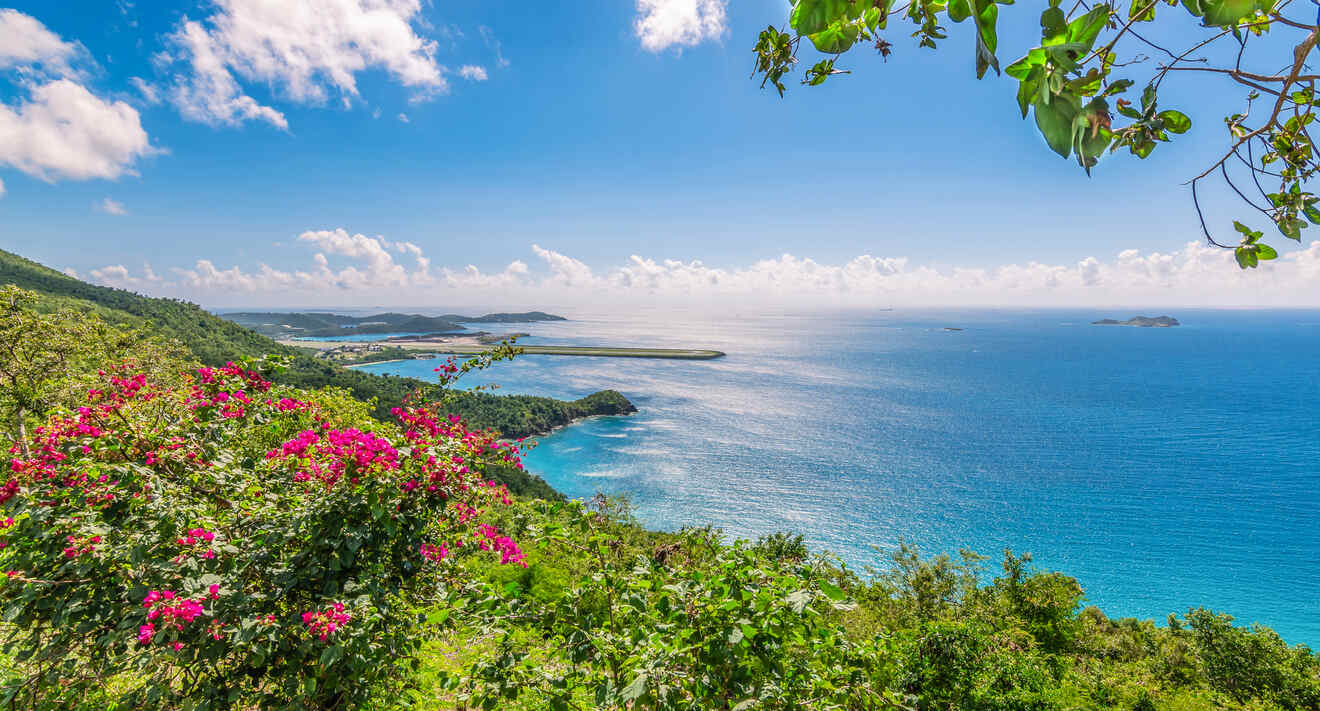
1164 468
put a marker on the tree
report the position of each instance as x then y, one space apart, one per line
45 359
1082 64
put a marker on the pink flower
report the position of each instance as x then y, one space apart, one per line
323 624
146 632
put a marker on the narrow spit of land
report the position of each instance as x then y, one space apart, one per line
469 346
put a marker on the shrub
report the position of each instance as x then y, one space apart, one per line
231 543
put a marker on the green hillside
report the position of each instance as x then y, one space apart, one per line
293 325
215 340
212 339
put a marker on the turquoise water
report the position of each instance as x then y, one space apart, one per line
1164 468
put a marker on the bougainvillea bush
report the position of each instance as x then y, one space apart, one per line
229 543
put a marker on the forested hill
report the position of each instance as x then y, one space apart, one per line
212 340
215 340
320 324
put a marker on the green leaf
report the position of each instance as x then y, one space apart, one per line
1246 231
1087 84
1291 227
1026 90
1055 121
1312 214
1228 12
960 10
797 600
1086 28
832 591
812 16
1264 251
837 38
986 14
1053 23
331 655
1175 121
634 690
1117 87
874 18
1022 68
1142 10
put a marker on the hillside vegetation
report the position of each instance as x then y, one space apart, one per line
215 340
319 324
178 536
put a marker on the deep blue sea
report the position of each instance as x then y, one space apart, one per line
1163 468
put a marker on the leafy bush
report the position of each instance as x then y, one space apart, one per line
743 629
230 543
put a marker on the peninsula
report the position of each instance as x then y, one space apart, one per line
323 325
1140 321
363 352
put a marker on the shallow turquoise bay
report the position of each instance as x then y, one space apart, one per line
1164 468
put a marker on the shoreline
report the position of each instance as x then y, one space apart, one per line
469 345
377 362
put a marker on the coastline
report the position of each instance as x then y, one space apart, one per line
471 345
576 421
377 362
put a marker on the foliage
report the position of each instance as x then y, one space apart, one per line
610 615
214 341
230 543
47 359
1085 60
282 325
527 415
210 539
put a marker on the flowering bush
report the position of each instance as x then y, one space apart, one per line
232 543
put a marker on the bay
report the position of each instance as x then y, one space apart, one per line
1163 468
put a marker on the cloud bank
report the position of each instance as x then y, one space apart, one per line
354 269
308 51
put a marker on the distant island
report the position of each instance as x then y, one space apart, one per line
322 325
1142 321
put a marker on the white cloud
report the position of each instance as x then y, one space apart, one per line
25 43
210 94
148 91
61 130
111 207
488 36
662 24
564 269
472 72
368 272
2 188
404 118
306 50
118 276
64 131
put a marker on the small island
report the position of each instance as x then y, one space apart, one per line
1141 321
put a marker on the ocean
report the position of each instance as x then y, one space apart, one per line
1163 468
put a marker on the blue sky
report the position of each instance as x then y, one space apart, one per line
573 130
